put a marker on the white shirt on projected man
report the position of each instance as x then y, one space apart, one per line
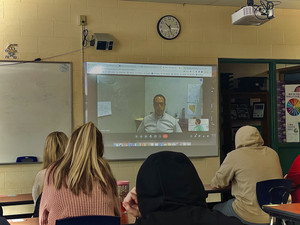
159 121
159 124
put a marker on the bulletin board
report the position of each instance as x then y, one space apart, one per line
292 112
36 99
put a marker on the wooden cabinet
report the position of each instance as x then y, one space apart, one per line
236 111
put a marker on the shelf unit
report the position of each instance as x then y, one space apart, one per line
230 122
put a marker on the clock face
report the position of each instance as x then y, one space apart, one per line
168 27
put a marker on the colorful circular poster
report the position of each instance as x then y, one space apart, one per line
293 107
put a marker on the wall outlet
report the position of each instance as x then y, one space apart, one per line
82 20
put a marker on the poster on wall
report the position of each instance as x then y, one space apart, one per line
292 112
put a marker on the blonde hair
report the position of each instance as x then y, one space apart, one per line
82 164
55 145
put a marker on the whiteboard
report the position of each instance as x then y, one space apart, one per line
35 100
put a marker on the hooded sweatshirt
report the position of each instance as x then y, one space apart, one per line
170 192
243 167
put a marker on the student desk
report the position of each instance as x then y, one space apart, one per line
26 221
21 199
13 200
225 194
284 211
35 221
210 190
27 199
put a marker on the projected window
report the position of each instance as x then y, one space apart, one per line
145 108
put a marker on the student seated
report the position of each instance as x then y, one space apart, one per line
81 182
242 168
54 149
294 175
170 192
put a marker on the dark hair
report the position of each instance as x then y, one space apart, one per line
296 89
82 163
198 121
159 95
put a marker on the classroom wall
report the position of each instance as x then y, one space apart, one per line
48 29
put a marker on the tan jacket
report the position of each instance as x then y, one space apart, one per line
243 168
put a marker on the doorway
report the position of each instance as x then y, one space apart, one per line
243 88
246 82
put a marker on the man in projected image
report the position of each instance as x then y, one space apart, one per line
159 121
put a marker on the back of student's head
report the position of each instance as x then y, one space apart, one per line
54 148
248 136
83 164
167 181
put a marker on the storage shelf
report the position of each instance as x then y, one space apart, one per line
230 100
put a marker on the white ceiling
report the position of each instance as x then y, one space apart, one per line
285 4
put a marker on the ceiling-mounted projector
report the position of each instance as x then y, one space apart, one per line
252 15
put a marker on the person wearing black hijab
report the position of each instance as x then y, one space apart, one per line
170 192
3 221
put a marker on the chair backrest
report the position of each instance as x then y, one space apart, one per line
275 191
90 220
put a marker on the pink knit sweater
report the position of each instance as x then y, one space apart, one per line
57 204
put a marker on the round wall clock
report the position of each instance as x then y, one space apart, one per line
168 27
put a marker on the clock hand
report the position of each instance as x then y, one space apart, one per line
170 29
169 26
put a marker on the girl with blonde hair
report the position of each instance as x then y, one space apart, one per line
80 183
55 145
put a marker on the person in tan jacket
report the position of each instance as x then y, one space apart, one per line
242 168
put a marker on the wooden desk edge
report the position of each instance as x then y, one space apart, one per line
35 221
26 221
20 199
210 190
276 211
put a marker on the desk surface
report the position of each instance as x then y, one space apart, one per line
284 211
20 199
210 190
27 199
35 221
26 221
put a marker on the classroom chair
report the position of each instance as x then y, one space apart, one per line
274 191
90 220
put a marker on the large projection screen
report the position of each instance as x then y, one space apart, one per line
119 100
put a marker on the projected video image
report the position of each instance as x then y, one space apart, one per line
145 108
128 104
198 124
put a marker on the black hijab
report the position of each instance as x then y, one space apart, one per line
167 181
169 191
